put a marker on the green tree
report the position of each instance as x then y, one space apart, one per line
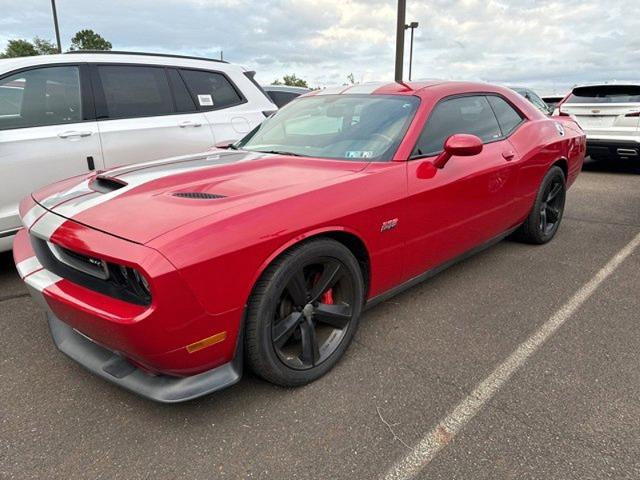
89 40
44 47
19 48
25 48
291 81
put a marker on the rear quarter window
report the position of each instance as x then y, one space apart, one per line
507 116
211 90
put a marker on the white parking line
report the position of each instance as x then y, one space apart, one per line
448 427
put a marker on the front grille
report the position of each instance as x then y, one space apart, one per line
198 195
89 272
89 265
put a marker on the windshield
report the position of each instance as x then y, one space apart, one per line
345 127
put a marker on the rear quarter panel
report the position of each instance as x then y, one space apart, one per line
540 145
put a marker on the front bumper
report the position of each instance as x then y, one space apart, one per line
116 369
145 349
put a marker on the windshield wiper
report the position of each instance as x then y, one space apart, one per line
280 152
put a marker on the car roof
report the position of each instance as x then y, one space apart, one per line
285 88
409 88
118 57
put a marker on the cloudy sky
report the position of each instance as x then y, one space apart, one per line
547 44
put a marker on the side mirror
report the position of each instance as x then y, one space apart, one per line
458 145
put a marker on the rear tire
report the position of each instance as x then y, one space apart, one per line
544 220
303 313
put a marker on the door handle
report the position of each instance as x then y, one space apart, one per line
74 133
508 156
189 123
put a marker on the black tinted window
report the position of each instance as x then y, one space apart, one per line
184 102
471 115
42 96
210 89
508 117
282 98
605 94
135 91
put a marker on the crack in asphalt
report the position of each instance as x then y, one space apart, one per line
13 297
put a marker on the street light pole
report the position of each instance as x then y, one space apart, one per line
55 24
400 27
412 26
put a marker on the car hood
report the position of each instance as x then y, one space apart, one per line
143 201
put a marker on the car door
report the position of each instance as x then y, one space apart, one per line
47 133
144 113
218 98
466 203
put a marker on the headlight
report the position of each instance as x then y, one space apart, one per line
134 281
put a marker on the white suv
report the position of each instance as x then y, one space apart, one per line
62 115
610 116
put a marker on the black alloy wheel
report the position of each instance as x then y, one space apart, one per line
304 312
544 220
552 205
313 313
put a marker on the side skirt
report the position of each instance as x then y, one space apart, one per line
372 302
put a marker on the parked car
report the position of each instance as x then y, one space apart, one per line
610 116
64 115
552 101
163 277
534 98
283 94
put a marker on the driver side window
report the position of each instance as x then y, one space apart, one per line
470 114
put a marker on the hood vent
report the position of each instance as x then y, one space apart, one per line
107 184
198 195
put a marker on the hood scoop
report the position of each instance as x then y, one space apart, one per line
106 184
198 195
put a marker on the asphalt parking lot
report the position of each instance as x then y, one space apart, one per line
570 411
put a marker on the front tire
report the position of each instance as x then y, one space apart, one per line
303 313
544 220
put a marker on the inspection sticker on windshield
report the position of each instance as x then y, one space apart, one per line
205 100
359 154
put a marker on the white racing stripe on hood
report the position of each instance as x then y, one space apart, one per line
79 198
32 215
81 188
134 180
47 225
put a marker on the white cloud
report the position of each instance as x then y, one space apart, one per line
547 44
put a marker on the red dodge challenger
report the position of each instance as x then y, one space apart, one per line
164 277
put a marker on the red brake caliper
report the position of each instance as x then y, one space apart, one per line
327 297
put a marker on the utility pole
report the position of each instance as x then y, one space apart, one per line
55 24
412 26
402 9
